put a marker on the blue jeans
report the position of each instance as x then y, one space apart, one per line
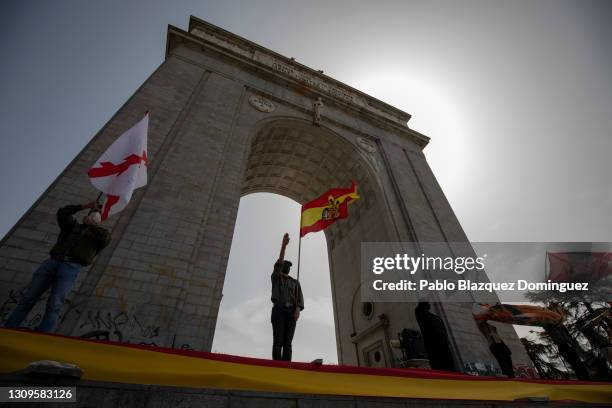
61 277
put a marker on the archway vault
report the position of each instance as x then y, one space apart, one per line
293 158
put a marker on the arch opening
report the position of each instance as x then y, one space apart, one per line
297 160
243 322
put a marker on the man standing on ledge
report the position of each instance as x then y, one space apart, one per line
435 338
76 246
288 302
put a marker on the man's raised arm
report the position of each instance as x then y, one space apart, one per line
281 256
278 266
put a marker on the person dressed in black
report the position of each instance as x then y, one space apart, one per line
435 338
288 302
498 348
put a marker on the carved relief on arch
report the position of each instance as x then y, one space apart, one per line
366 144
261 104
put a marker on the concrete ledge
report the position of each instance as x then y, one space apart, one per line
108 394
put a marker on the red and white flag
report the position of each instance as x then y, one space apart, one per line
122 168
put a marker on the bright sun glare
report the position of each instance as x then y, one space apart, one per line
436 112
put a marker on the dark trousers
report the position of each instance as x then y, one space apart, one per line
283 328
503 355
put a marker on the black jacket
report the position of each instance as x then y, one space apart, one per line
286 290
435 338
79 242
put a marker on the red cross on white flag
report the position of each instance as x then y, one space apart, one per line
122 168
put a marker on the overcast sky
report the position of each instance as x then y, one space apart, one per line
515 95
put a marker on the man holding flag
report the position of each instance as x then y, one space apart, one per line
120 170
287 296
76 246
288 302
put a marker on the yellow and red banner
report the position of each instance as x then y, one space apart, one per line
321 212
528 315
136 364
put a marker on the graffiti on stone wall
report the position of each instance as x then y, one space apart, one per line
104 327
115 326
9 303
33 320
111 326
479 368
525 371
98 325
183 346
147 331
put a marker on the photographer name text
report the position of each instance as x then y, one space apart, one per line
465 284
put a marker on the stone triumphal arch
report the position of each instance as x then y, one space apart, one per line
228 118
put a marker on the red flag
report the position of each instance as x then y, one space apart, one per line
579 266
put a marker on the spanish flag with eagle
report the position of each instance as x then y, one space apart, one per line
321 212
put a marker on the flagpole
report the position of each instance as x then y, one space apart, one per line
298 262
97 202
297 287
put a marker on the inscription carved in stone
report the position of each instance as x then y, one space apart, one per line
298 74
307 78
